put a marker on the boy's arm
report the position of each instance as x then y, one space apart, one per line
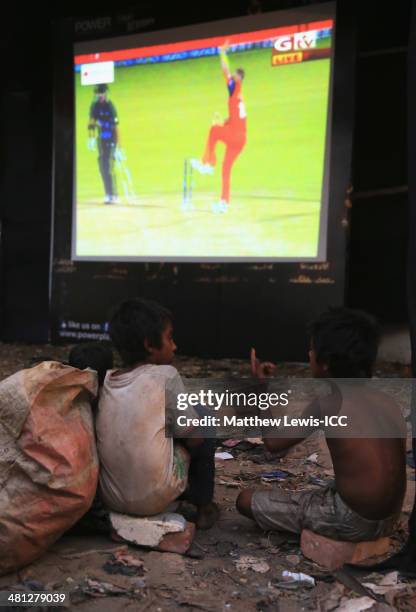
276 445
261 369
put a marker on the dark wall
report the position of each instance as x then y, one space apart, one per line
378 239
411 263
26 180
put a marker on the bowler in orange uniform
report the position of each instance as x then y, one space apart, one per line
232 132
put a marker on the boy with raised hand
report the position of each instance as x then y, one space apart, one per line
142 470
370 473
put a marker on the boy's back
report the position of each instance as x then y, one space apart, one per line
140 474
370 472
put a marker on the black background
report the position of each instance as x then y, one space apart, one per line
219 310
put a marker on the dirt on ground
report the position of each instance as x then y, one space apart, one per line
234 565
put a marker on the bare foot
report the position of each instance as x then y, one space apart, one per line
207 516
178 542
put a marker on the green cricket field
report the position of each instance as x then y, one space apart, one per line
165 111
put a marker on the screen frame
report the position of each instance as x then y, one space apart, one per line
210 29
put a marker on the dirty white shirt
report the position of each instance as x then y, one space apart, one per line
140 472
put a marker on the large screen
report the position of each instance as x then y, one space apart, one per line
205 143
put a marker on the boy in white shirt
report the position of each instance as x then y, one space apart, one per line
142 470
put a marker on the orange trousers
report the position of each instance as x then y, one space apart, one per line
234 140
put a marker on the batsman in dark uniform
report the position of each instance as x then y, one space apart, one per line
103 130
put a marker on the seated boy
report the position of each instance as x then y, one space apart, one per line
97 356
370 473
142 470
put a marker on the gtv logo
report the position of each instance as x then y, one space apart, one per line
301 41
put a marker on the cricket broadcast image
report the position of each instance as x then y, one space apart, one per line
206 149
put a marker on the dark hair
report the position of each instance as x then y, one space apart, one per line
241 72
101 89
35 361
95 355
346 341
135 321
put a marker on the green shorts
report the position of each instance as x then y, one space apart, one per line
320 510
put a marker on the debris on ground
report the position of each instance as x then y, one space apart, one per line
362 604
389 584
293 559
346 577
290 580
230 482
230 443
223 456
274 475
124 563
225 549
246 563
390 588
96 551
95 588
319 482
242 446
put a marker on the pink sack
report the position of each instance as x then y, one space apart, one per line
48 458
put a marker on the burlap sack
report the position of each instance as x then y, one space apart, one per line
48 458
